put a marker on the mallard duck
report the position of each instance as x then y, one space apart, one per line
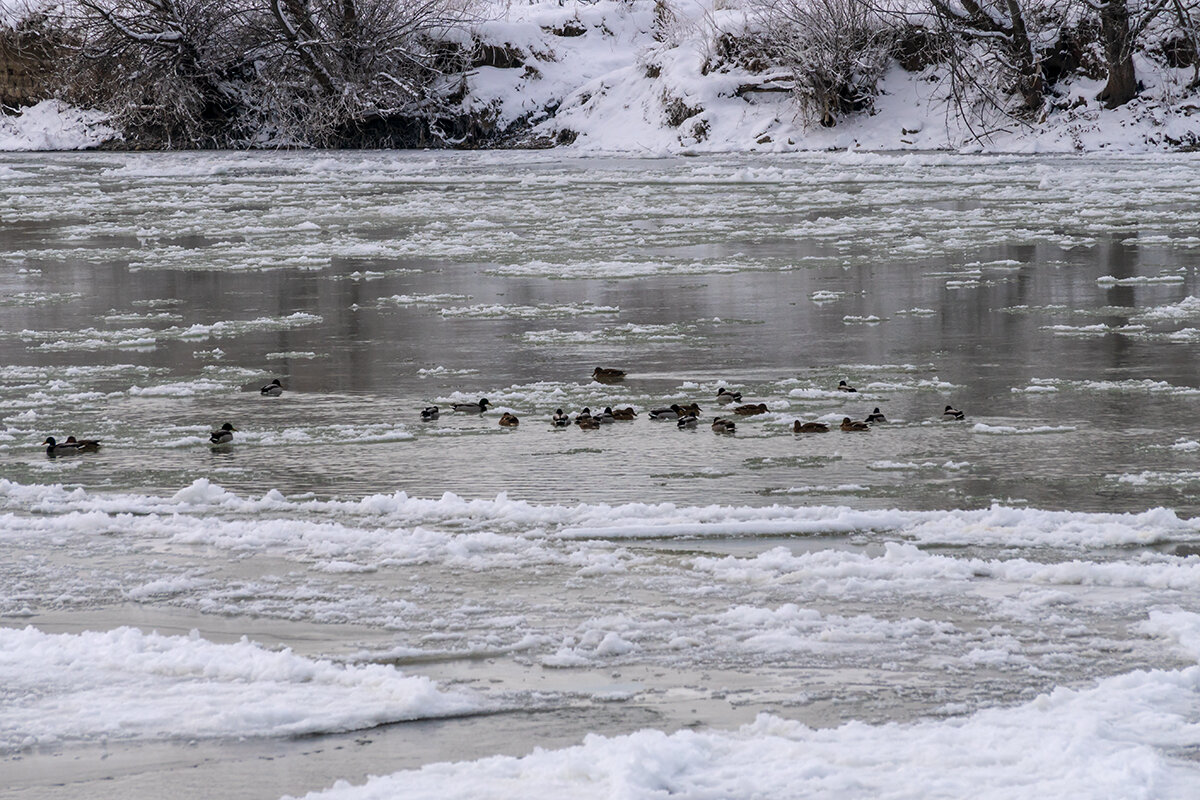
687 421
809 427
508 420
624 414
472 408
845 387
560 420
272 389
222 436
725 397
429 413
751 409
853 426
606 417
673 411
607 374
876 416
587 423
691 408
586 414
951 413
722 425
70 446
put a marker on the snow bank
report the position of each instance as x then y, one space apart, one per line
1126 736
53 125
126 684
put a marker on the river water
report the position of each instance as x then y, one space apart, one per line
574 581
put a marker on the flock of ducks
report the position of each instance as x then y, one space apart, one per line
684 416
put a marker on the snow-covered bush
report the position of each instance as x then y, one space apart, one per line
245 72
837 51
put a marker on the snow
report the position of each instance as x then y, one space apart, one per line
1112 739
628 83
127 684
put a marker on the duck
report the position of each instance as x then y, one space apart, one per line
751 409
473 408
722 425
691 408
809 427
429 413
586 414
876 416
508 420
853 426
687 421
725 397
951 413
607 374
673 411
845 387
70 446
624 414
560 420
587 423
272 389
606 417
222 436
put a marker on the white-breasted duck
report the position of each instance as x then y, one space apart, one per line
473 408
687 421
951 413
673 411
222 436
560 420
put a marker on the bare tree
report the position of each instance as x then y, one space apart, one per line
244 72
837 50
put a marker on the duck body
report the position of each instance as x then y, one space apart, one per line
845 387
222 436
673 411
608 374
429 413
751 409
560 420
687 421
585 416
722 425
508 420
606 417
624 414
725 397
951 413
587 423
272 389
472 408
853 426
876 416
809 427
70 447
691 408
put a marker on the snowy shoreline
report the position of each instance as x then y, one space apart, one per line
612 84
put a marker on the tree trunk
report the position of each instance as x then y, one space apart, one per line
1118 54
